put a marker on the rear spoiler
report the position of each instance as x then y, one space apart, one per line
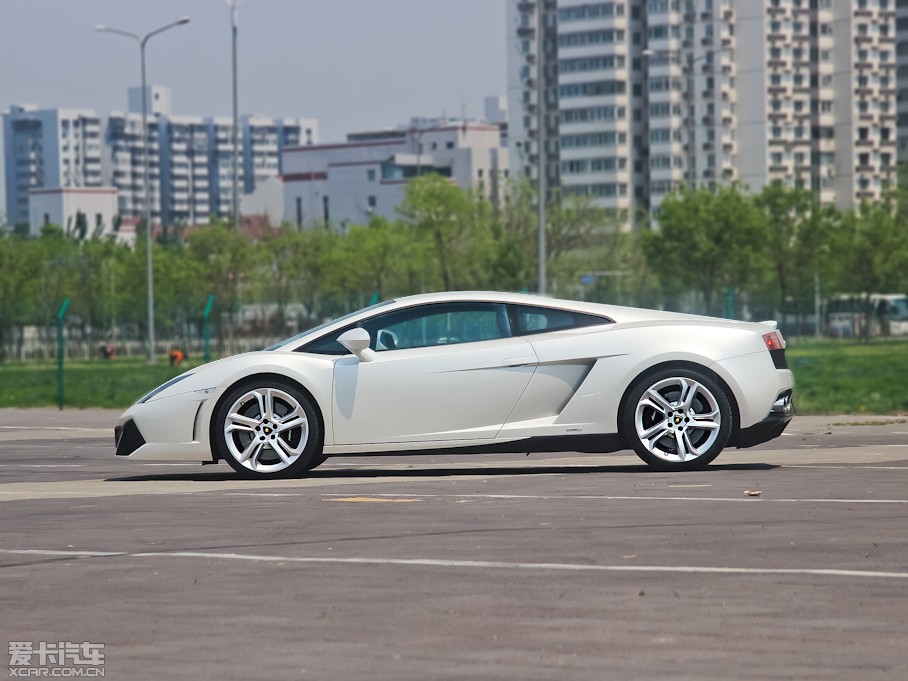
772 323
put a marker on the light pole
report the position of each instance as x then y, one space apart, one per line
540 145
142 41
234 28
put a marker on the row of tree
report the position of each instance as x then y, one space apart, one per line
769 250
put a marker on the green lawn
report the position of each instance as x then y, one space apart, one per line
86 383
849 377
833 377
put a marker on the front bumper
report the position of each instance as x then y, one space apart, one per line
168 429
127 438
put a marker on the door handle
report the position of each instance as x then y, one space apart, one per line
519 361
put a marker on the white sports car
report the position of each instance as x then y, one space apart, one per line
473 372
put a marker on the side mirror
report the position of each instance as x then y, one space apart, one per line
357 341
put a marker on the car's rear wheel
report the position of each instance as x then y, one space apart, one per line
677 419
267 428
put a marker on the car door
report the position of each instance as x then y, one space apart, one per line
446 371
567 345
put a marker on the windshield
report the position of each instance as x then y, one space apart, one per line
899 309
314 329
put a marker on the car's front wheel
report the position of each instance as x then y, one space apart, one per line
677 419
267 428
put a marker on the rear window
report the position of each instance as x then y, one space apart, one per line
530 319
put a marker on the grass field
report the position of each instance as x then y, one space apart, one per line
849 377
833 377
86 383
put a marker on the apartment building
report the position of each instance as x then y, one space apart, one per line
190 158
221 159
657 93
345 184
45 149
533 89
124 162
185 183
817 102
264 137
901 51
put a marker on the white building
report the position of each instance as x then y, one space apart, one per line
185 183
124 162
344 184
817 97
63 206
190 157
263 138
901 51
650 95
48 148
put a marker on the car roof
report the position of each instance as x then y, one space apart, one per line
616 313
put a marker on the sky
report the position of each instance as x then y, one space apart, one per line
352 64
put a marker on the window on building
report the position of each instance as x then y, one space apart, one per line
370 175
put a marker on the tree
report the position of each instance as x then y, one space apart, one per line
872 251
457 227
708 240
373 256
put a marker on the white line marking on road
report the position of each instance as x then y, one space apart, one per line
587 497
263 494
88 430
867 468
476 564
42 465
173 463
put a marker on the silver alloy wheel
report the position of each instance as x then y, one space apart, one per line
266 430
677 419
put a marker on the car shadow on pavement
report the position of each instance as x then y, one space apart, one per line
427 472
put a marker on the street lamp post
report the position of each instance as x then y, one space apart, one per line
142 41
234 28
541 148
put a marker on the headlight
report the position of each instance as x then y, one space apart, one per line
163 386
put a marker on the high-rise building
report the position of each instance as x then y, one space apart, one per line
45 149
817 100
901 51
263 138
185 183
221 160
190 167
656 93
531 55
124 163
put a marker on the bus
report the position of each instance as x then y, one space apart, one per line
847 315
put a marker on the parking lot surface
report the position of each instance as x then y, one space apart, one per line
786 561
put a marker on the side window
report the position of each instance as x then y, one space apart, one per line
425 326
327 345
532 320
442 324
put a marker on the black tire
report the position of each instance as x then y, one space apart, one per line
316 462
668 434
257 444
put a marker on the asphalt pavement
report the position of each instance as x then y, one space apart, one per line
786 561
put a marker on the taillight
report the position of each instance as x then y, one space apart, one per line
774 341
